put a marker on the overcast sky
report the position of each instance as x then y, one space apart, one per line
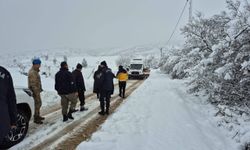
33 24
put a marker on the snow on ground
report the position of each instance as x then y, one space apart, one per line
160 116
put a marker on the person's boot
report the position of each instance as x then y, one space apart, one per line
107 112
65 118
41 118
101 113
75 110
70 115
37 120
82 108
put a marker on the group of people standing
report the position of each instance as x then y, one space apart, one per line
70 86
104 85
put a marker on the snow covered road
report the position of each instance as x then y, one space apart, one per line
159 115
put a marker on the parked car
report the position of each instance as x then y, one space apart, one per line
25 109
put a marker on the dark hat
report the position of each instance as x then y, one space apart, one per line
63 64
78 66
104 63
36 61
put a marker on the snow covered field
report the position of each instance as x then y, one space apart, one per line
160 116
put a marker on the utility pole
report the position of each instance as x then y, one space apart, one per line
190 10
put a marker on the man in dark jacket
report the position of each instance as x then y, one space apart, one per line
106 88
65 87
8 110
97 81
79 80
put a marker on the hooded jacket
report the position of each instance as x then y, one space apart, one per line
122 75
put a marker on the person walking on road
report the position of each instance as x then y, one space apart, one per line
97 81
106 88
66 88
8 109
34 84
122 77
79 80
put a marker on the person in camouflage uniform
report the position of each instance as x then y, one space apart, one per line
34 84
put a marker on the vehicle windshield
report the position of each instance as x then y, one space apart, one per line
136 66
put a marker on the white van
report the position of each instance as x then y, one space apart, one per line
136 69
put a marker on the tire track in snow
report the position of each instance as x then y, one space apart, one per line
93 113
53 124
85 130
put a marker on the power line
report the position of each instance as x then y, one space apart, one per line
182 12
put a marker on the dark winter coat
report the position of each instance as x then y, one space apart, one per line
106 80
8 110
79 81
97 80
64 83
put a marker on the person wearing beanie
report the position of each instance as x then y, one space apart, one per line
66 88
36 61
79 80
34 84
97 81
103 63
122 77
106 88
64 64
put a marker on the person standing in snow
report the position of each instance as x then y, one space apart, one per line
97 81
122 77
106 88
79 81
66 88
34 84
8 109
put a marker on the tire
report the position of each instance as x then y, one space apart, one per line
17 135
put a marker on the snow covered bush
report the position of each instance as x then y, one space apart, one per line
216 57
65 58
151 61
123 60
84 63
